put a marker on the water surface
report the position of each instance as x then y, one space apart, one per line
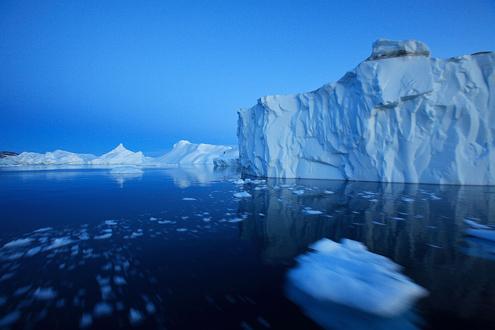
173 248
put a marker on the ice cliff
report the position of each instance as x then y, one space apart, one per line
399 116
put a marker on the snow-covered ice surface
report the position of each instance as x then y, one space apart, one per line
400 116
175 248
350 275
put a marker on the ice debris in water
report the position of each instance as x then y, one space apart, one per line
18 242
310 211
110 222
188 199
242 194
350 275
59 242
44 293
135 316
102 309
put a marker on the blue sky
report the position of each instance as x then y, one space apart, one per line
86 75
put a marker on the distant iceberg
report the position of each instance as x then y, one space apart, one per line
120 155
183 153
399 116
187 153
57 157
349 275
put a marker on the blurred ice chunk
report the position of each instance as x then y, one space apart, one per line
348 274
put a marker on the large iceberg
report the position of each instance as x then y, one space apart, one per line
399 116
187 153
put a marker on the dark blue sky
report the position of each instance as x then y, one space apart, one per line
86 75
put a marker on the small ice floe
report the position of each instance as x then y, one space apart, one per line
188 199
298 192
238 181
10 319
60 242
407 199
44 293
135 317
242 194
310 211
328 192
126 170
105 235
102 309
119 280
234 220
153 219
475 225
180 230
137 233
398 219
33 251
164 222
110 222
348 274
86 320
42 230
18 243
379 223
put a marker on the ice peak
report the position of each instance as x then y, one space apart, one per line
120 147
182 143
385 48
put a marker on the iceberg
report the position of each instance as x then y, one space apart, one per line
348 274
187 153
120 155
57 157
399 116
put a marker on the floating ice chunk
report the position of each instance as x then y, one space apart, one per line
137 234
18 243
22 290
10 318
309 211
31 252
488 234
44 293
119 280
350 275
153 219
242 194
163 222
86 320
188 199
102 309
59 242
234 220
475 225
181 229
239 181
407 199
329 192
41 230
298 192
103 236
110 222
135 316
150 308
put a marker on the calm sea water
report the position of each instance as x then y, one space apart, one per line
173 248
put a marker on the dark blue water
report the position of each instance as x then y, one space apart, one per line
174 249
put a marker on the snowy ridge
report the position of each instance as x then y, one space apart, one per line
185 152
400 116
